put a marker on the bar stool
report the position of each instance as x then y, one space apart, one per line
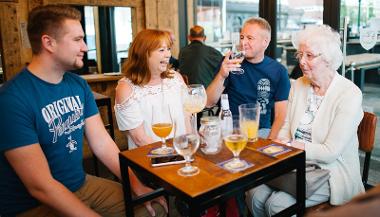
103 100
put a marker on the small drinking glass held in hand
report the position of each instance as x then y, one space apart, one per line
236 142
162 125
238 54
195 99
186 144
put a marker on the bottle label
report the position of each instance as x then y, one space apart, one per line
224 102
227 127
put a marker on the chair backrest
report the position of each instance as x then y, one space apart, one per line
366 136
366 132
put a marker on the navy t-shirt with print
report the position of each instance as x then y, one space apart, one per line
53 115
266 83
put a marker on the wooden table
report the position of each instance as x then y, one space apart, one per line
213 184
361 63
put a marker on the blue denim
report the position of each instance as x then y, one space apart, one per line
264 132
264 201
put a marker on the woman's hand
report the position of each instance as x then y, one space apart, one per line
161 200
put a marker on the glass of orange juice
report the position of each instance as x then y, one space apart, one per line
162 125
249 120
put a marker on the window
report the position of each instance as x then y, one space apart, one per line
220 18
123 20
90 31
360 12
108 36
292 16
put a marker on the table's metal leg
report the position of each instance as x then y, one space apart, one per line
301 188
126 187
362 73
352 69
194 210
222 209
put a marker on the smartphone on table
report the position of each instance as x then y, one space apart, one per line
167 160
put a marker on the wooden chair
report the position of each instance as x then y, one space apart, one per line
366 136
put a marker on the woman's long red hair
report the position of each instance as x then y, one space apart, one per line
136 67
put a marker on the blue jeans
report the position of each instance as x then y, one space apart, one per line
264 132
264 201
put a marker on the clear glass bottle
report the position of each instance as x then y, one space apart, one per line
225 116
211 135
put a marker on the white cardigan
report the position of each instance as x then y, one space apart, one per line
334 143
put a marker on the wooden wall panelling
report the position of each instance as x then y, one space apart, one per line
167 14
151 14
138 18
10 39
25 51
190 14
34 3
163 14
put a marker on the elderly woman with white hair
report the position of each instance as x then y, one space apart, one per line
324 111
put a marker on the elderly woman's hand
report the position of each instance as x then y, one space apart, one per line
298 145
284 141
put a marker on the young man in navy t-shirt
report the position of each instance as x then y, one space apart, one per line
264 81
44 113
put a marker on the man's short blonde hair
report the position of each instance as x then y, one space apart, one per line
261 22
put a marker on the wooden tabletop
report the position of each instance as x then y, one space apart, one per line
211 176
102 77
362 59
98 96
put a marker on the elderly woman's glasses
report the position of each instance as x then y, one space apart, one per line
307 55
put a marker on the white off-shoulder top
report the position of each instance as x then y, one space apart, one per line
138 108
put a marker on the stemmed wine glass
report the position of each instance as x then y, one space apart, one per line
186 144
162 124
236 142
195 98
